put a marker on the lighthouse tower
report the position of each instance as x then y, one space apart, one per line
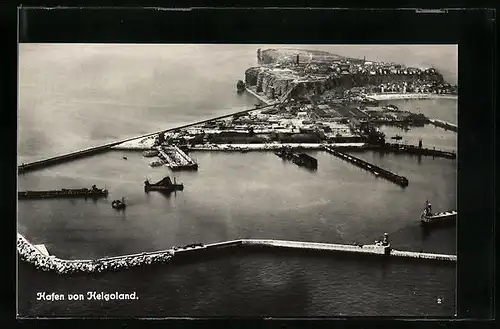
386 244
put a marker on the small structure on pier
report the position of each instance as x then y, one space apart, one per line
176 159
240 86
385 244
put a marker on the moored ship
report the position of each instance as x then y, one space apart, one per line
305 160
428 217
93 192
150 153
301 159
156 163
285 153
164 185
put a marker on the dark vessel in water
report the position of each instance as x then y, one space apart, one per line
397 137
301 159
428 217
150 153
285 153
165 185
305 160
93 192
119 204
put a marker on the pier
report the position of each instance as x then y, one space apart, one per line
25 167
414 150
404 149
176 159
377 171
444 124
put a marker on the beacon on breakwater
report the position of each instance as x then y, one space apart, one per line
428 218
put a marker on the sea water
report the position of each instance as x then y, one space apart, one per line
76 96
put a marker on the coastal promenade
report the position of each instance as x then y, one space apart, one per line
396 96
41 259
272 146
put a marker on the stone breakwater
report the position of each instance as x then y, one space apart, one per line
42 261
29 253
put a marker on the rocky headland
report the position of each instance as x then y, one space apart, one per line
295 74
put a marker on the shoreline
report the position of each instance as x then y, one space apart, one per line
259 97
397 96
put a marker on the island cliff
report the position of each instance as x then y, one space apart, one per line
290 73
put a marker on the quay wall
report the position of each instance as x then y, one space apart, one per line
273 146
444 124
421 255
183 155
400 149
409 149
395 96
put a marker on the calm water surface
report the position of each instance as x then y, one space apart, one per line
79 96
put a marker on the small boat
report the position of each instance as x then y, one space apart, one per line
150 153
124 158
397 137
118 204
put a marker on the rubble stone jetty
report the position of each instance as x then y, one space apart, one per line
42 261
